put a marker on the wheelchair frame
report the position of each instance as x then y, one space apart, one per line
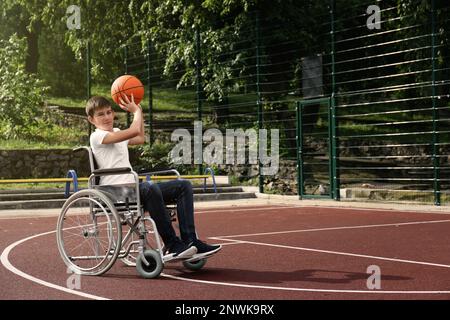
98 229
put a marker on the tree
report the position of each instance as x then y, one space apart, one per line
16 17
107 25
21 94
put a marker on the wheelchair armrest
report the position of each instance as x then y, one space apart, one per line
112 171
152 173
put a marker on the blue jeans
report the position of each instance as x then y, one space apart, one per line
154 196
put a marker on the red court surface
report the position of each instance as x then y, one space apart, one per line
271 252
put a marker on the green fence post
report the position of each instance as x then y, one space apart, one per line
435 148
88 69
258 92
335 194
125 53
198 68
299 144
88 76
150 96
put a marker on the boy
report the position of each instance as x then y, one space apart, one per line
110 148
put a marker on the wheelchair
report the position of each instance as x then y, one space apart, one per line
93 230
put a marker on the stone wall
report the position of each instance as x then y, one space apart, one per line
285 181
15 164
51 163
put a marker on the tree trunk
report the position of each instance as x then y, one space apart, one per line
32 59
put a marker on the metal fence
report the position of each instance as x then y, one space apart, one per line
392 102
361 103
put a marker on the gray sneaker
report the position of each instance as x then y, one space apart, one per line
179 250
204 249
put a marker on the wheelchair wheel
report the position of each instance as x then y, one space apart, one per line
89 233
155 266
194 265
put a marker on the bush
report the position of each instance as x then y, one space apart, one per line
21 94
154 157
157 157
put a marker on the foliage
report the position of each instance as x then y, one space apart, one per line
49 56
228 36
157 157
58 66
421 13
154 157
21 94
107 25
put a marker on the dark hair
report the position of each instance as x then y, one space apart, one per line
96 103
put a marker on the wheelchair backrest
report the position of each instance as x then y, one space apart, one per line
92 162
118 194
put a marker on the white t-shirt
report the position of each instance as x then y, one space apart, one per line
113 155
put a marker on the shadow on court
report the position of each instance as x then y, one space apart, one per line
271 277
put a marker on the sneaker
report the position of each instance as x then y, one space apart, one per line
179 250
204 249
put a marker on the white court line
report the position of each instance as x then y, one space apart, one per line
249 209
341 253
223 238
276 206
302 289
332 228
5 261
9 266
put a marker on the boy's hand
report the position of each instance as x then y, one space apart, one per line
127 105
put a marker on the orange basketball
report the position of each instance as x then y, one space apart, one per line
127 84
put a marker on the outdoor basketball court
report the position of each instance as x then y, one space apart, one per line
276 252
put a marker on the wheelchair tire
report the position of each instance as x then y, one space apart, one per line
155 267
194 265
89 233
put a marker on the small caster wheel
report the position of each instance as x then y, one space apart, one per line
194 265
155 266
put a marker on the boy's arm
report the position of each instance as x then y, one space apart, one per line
140 138
135 128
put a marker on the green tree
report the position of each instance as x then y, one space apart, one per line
46 52
16 16
21 93
107 25
58 65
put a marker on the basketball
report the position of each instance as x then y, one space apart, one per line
127 84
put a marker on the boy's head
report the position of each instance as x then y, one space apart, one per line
100 113
96 103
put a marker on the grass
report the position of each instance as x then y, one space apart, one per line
163 99
243 181
20 144
71 102
66 102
